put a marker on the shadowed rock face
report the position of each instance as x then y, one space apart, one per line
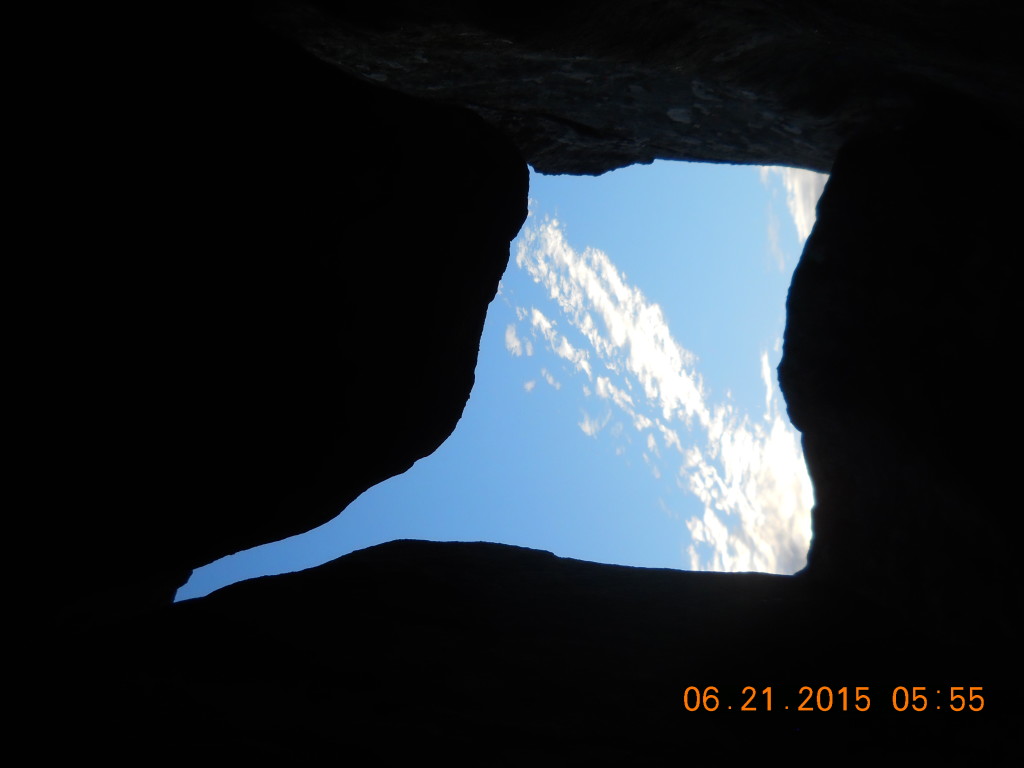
899 317
497 655
282 310
265 208
585 87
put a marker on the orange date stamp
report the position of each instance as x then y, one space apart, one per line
917 698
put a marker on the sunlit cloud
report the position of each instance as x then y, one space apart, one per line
514 344
641 422
756 494
607 390
766 378
550 379
529 385
542 324
803 188
592 426
578 357
773 240
632 334
671 437
746 472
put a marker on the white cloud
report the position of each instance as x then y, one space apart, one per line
550 379
766 377
512 341
641 422
803 188
748 475
578 357
760 486
587 284
529 385
592 426
671 437
607 390
543 325
773 240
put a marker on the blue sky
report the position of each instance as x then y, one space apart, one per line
626 407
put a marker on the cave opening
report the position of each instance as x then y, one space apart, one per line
626 407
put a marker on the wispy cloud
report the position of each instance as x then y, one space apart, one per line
803 188
756 493
591 426
550 379
558 343
615 318
773 240
514 344
748 473
607 390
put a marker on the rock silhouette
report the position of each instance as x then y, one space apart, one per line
247 258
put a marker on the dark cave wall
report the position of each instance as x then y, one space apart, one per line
277 254
584 87
284 305
242 252
488 654
899 321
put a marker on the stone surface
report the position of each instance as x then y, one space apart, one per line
584 87
485 654
899 319
242 249
288 280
